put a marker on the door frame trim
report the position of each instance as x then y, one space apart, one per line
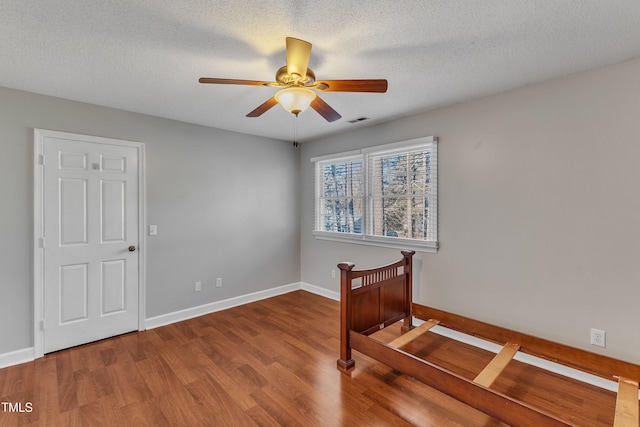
39 136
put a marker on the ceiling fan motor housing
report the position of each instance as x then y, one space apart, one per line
286 79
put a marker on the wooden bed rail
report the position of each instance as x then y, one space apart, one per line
596 364
627 411
497 405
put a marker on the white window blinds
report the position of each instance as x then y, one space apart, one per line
402 194
341 200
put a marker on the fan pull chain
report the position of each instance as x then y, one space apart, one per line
295 131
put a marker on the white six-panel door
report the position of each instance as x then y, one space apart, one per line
90 246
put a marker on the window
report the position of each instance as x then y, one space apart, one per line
342 195
384 195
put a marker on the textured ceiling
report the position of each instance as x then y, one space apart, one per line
146 55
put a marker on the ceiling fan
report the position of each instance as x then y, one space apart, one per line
298 85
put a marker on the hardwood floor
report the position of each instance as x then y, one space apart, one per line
269 363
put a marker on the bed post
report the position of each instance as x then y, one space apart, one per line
408 282
345 363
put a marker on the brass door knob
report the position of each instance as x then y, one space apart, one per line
132 248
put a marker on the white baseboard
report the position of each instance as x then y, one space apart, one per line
28 354
320 291
17 357
190 313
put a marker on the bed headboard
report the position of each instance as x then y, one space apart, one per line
372 299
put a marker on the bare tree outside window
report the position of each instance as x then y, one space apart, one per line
400 187
342 194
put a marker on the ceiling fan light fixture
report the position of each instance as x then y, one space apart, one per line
298 85
295 99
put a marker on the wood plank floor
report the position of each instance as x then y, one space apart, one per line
269 363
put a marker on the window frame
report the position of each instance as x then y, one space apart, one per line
366 237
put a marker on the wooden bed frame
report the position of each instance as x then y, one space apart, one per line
373 299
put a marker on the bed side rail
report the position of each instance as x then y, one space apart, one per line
493 403
600 365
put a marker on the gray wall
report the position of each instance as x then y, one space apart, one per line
226 205
539 209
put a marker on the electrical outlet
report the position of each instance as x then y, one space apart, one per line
198 286
598 337
333 274
219 282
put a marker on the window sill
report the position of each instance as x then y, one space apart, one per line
385 242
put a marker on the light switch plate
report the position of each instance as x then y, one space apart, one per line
153 230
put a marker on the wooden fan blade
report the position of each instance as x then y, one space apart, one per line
376 85
263 108
325 110
232 81
298 54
